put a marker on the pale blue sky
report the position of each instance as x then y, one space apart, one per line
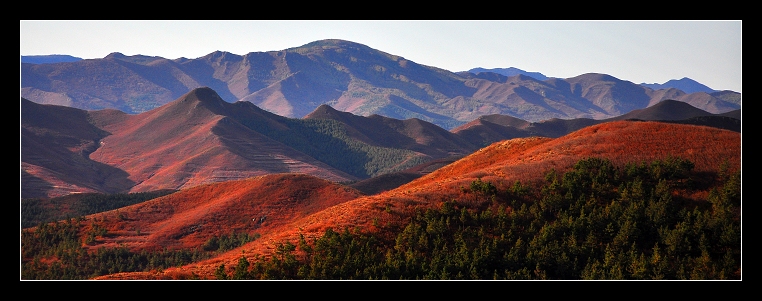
638 51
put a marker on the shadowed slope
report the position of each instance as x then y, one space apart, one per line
665 110
393 180
708 102
55 146
505 120
504 127
411 134
482 132
674 111
733 114
367 130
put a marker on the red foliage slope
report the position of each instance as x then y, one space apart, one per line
188 218
527 159
501 163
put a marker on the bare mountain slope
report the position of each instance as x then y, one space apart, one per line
193 141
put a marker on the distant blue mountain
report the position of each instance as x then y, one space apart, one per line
684 84
510 72
49 59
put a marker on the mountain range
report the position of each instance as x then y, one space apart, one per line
685 84
199 138
349 77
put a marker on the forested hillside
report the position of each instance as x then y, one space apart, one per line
646 220
35 211
322 139
594 222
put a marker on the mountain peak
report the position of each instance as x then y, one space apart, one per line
668 109
325 107
688 85
115 55
206 96
684 84
510 71
331 42
324 111
679 106
222 56
597 77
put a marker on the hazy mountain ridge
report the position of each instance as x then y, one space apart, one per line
347 76
49 59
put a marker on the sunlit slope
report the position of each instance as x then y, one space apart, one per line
188 218
502 163
193 141
527 159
